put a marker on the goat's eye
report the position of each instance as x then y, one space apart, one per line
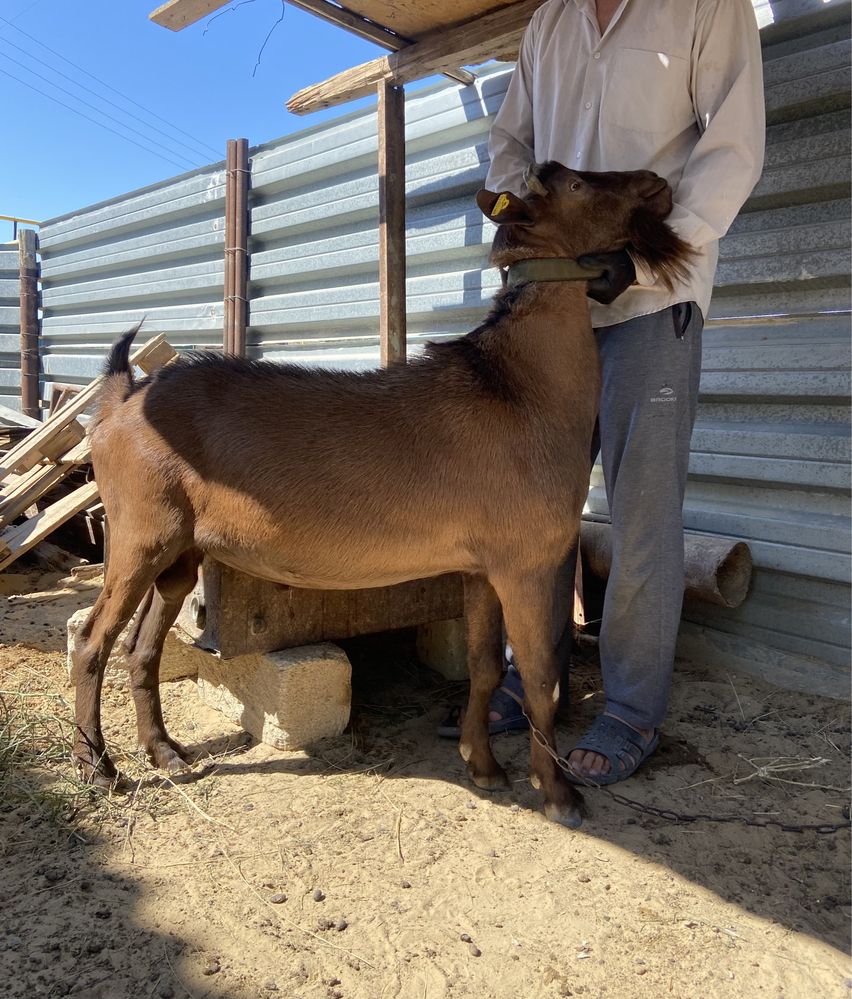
576 185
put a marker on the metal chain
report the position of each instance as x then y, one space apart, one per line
821 828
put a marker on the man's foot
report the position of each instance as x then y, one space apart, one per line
506 714
612 750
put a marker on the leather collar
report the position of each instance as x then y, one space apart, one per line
547 269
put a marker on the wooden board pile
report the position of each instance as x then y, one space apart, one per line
46 456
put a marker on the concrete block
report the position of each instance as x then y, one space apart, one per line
443 646
286 699
180 659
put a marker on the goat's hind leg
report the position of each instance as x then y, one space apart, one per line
528 611
119 598
485 662
144 650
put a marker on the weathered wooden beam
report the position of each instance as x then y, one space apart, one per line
178 14
370 31
392 310
53 438
466 44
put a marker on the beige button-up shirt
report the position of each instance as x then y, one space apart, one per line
674 86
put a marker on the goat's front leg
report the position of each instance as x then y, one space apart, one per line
528 611
485 663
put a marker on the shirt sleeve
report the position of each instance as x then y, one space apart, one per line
511 145
727 94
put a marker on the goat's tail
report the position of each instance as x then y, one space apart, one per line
118 381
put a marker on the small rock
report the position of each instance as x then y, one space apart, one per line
325 924
465 938
471 804
271 986
165 991
405 884
641 971
212 967
278 898
515 807
341 925
584 879
318 895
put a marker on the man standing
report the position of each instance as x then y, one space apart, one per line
673 86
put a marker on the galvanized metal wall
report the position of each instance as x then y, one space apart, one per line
10 330
770 454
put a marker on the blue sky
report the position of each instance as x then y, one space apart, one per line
198 80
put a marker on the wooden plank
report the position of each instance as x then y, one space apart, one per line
464 45
178 14
32 485
415 19
392 304
371 29
36 445
244 614
16 540
16 419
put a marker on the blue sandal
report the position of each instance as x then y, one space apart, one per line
622 745
507 701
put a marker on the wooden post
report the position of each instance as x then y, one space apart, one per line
392 314
27 246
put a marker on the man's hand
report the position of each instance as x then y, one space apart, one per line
618 274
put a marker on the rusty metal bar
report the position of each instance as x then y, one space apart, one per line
27 249
240 248
392 305
230 219
236 247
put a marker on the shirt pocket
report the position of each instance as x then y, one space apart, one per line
648 92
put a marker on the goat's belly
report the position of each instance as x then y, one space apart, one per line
343 566
318 575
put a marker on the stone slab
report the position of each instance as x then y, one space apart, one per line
287 699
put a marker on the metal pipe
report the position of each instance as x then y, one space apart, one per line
228 303
392 304
28 268
240 248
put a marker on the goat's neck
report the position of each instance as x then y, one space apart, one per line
548 332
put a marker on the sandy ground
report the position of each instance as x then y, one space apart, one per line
370 868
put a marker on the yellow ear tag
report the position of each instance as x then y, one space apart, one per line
500 205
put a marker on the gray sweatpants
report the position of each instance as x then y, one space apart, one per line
648 401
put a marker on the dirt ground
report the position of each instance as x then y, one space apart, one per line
370 868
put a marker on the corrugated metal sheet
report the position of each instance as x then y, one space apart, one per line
10 330
770 458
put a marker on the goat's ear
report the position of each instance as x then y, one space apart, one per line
503 208
655 193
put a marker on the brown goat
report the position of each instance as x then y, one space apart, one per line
473 458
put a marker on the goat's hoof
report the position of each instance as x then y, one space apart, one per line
166 754
492 780
98 771
565 814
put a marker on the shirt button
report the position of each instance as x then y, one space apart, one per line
577 156
588 105
597 55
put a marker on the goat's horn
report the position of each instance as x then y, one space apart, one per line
534 185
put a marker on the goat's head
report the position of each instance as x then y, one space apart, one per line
566 213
